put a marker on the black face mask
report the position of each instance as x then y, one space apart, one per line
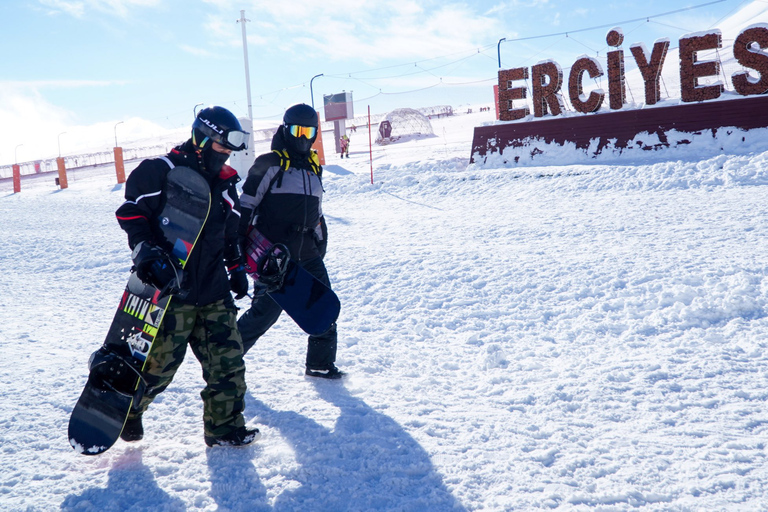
300 146
213 161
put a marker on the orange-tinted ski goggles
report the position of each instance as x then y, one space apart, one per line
302 131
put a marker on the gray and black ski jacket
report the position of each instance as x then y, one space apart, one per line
282 196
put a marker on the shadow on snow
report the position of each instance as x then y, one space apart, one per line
131 486
366 462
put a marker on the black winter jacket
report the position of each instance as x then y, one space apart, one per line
206 272
285 204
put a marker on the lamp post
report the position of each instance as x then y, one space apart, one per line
59 139
194 110
311 92
15 158
121 122
498 49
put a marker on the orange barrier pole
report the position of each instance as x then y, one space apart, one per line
318 145
16 179
119 166
62 173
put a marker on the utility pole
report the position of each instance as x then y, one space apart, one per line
242 21
242 160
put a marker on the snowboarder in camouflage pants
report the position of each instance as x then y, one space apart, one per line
204 316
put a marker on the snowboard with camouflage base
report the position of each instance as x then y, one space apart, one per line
114 383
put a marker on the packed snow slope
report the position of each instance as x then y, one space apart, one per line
568 337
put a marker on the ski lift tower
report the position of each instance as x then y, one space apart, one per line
338 108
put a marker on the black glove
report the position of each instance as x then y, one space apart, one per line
233 258
238 282
155 267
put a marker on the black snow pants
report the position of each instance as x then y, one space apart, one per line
264 312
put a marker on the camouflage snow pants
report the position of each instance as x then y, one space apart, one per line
211 332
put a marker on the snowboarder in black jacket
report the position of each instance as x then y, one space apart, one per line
203 316
282 197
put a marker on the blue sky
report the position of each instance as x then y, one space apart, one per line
73 69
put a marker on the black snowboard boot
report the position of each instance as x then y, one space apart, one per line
238 437
326 373
133 430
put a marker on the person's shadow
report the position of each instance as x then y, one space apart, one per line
128 474
235 485
366 462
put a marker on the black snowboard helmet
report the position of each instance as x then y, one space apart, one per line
219 125
300 124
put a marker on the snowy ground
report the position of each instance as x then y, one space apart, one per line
585 337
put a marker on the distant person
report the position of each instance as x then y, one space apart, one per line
282 196
385 129
344 145
205 319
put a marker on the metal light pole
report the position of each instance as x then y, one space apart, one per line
15 158
194 110
311 93
242 21
121 122
59 139
498 49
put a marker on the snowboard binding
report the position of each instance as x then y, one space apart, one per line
154 266
111 372
271 269
176 285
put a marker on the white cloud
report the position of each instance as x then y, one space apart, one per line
57 84
79 8
76 9
34 123
197 51
35 129
359 30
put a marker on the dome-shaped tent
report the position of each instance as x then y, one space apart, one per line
402 122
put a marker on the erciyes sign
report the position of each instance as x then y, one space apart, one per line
547 76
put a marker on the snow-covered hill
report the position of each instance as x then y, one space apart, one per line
568 337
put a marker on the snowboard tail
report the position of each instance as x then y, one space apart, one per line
114 383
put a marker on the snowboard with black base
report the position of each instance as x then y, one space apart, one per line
310 303
114 383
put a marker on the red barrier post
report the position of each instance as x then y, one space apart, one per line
119 165
16 179
62 172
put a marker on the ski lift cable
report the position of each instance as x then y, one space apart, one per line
482 49
730 12
644 18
